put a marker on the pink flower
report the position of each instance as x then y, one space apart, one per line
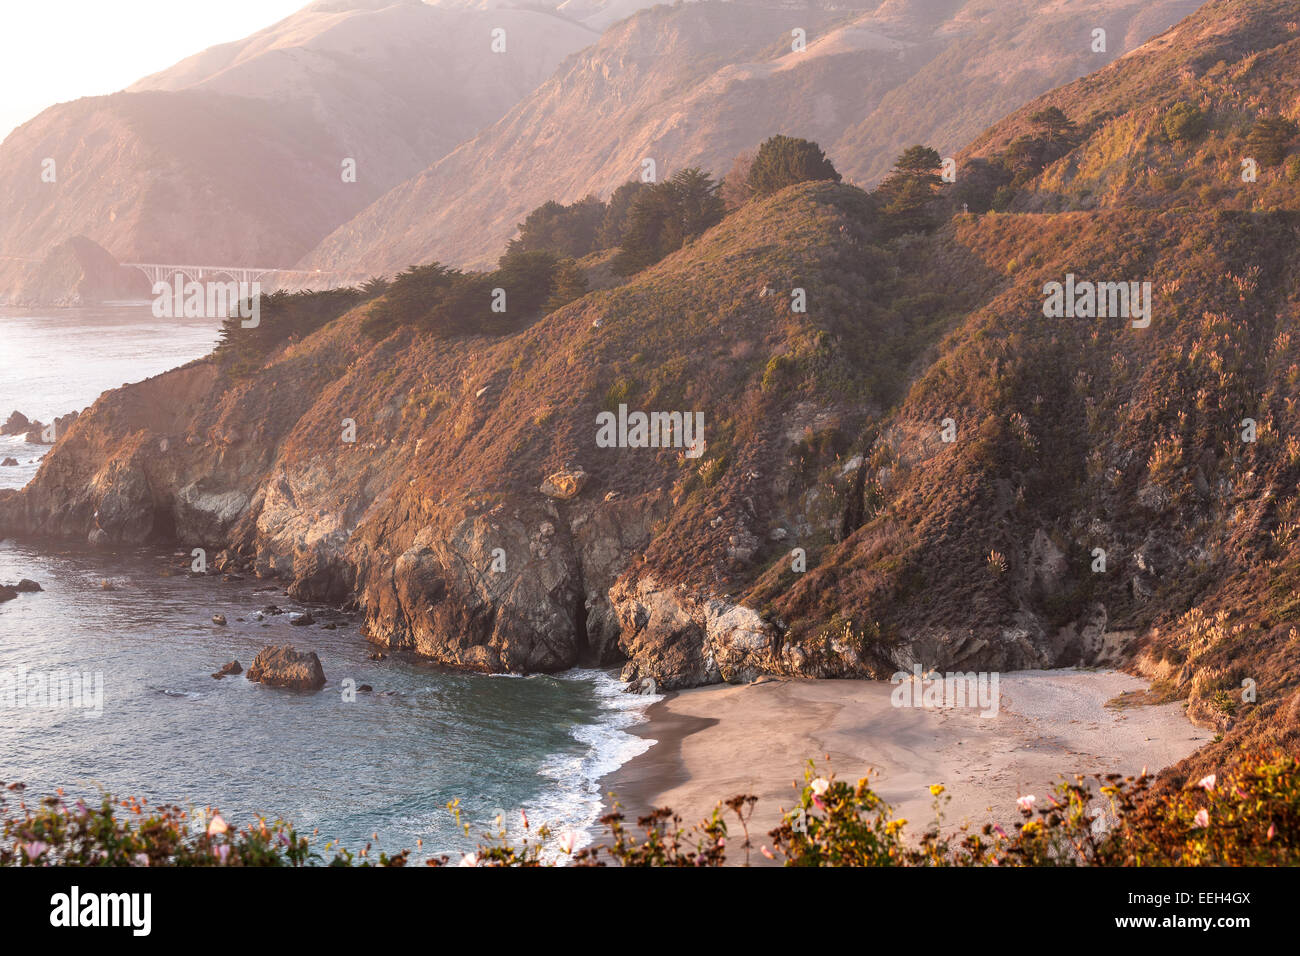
767 853
1272 830
568 840
217 826
222 852
524 814
1202 819
819 786
35 849
1026 802
1207 783
142 859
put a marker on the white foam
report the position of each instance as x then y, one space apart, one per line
578 805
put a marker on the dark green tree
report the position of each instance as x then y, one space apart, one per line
1269 139
618 213
1183 122
570 283
907 196
1053 125
567 231
666 215
784 160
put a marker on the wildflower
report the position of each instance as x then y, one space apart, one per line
1202 819
217 826
524 814
35 849
1272 830
1026 802
222 852
142 859
469 859
936 789
767 853
1207 783
819 786
568 840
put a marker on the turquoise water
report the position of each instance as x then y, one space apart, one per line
387 762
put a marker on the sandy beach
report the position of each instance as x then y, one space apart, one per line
714 742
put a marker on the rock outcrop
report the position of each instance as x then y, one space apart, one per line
284 666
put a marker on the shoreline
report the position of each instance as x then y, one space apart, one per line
713 742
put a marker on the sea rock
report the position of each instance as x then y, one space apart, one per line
27 586
301 619
233 667
281 665
16 424
218 619
644 686
8 462
564 484
7 593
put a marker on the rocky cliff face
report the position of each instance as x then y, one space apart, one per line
476 519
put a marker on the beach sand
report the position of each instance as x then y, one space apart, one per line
715 742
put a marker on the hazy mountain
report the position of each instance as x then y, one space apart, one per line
695 84
235 155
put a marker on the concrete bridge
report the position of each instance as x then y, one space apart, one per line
306 278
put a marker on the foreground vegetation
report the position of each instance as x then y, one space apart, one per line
1248 817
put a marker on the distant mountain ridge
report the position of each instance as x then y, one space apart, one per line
235 155
697 83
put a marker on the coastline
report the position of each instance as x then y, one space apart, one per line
717 741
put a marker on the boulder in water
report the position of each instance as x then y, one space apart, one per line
233 667
16 424
281 665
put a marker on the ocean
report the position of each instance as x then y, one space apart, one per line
385 763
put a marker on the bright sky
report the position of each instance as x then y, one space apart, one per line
57 50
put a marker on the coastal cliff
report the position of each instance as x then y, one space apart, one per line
907 459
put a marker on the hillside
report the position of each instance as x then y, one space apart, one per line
1104 498
698 83
235 155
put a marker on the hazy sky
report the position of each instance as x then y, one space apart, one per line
57 50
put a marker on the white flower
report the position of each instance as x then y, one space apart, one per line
568 840
1202 819
217 826
1207 783
469 859
819 786
1026 802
